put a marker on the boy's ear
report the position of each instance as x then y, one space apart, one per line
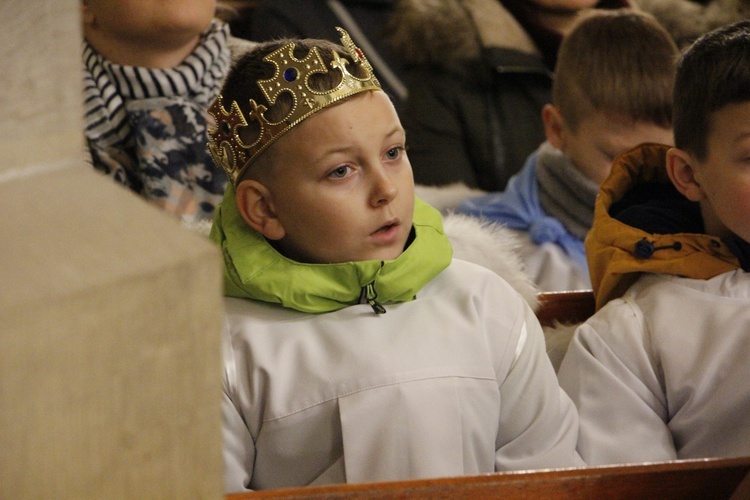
255 205
554 125
681 171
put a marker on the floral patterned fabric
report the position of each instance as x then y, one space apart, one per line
147 128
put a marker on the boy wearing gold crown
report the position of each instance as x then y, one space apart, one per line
365 352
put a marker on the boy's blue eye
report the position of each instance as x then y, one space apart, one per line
394 153
340 172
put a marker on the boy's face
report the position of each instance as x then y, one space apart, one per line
723 177
341 186
600 137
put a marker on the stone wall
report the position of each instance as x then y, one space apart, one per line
110 310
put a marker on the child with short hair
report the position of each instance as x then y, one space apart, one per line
612 91
478 73
660 371
356 349
150 71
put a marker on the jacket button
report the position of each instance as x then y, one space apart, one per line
643 249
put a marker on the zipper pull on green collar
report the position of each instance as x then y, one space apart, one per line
370 296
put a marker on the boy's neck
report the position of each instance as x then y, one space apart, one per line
711 224
144 54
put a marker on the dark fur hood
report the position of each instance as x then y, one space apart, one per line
451 32
686 20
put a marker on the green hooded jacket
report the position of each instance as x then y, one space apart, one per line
254 269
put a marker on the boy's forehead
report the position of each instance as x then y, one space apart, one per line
606 124
371 110
356 124
729 124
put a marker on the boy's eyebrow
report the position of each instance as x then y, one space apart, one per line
329 152
343 149
396 129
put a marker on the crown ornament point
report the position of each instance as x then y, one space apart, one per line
291 75
224 137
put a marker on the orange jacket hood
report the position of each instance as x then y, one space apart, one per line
618 252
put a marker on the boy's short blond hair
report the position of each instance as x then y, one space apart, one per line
618 62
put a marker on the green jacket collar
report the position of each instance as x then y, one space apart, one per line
254 269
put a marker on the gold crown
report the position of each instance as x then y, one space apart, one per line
291 75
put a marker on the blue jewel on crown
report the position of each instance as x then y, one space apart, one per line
290 74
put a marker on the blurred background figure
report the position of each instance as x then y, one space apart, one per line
612 92
688 19
478 74
365 20
151 69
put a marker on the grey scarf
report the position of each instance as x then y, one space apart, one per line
564 192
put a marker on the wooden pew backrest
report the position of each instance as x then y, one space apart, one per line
565 307
709 478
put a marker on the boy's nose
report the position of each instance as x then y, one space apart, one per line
384 189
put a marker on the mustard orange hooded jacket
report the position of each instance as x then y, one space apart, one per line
642 224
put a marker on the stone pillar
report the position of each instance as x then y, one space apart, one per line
110 310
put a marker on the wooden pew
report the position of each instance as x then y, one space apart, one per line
566 307
726 478
558 313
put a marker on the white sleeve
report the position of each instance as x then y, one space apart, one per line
614 379
239 447
538 425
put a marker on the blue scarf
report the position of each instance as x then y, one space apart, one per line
518 207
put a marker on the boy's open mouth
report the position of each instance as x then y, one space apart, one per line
386 227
